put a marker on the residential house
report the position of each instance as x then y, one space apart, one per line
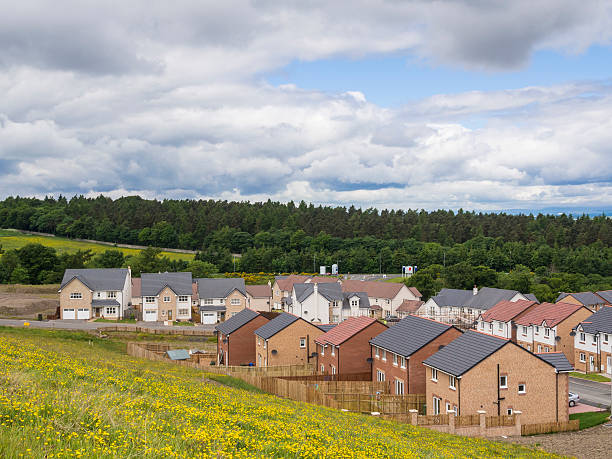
398 353
477 372
221 298
315 302
345 349
408 307
136 294
591 300
388 295
547 328
166 296
91 293
286 340
259 297
593 343
355 304
236 338
500 319
606 295
283 286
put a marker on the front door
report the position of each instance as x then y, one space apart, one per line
592 363
170 314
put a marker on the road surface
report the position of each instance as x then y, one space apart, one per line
591 392
85 325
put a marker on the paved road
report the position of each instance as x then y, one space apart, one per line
591 392
84 325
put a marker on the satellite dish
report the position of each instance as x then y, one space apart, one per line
369 360
441 347
558 338
572 333
274 352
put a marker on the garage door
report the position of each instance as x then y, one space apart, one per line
150 316
68 314
82 313
209 317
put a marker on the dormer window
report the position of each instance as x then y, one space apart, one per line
547 332
582 337
354 303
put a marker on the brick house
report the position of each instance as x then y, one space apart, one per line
591 300
500 319
221 298
483 372
236 338
286 340
398 352
345 349
90 293
259 297
593 343
166 296
547 328
387 295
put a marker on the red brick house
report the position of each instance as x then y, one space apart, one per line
236 338
398 352
345 349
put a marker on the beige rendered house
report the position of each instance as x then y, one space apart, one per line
259 297
166 297
221 298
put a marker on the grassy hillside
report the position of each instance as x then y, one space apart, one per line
14 240
68 394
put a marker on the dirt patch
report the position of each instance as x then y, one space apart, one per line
27 305
593 443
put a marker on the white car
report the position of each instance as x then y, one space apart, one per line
573 399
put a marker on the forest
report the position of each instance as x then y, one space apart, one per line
550 253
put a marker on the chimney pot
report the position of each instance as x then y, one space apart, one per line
475 290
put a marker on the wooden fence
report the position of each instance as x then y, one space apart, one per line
550 427
337 377
381 403
467 420
433 420
500 421
284 371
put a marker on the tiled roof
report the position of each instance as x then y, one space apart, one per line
557 360
505 311
465 352
331 291
372 288
410 306
97 279
452 297
415 292
136 287
326 327
220 287
600 322
586 298
285 283
235 322
178 354
259 291
270 329
550 313
345 330
153 283
606 295
486 298
364 301
107 302
409 335
322 280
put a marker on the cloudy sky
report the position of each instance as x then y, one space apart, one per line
485 105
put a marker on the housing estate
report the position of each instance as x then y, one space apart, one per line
286 340
236 337
398 353
166 296
345 349
500 319
90 293
387 295
221 298
547 328
593 343
259 297
591 300
315 302
478 372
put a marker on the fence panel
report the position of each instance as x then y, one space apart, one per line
433 420
500 421
549 427
467 420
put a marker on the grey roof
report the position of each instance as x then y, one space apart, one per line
153 283
270 329
288 300
409 335
364 300
531 297
600 322
586 298
235 322
212 307
486 298
452 297
557 360
606 295
220 287
326 327
107 302
97 279
332 291
465 352
178 354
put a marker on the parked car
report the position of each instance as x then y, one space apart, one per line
573 399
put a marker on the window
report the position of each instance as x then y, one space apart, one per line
529 347
501 326
322 368
521 388
434 374
403 362
333 368
185 312
547 332
594 338
166 299
582 357
208 301
111 294
333 349
469 311
384 355
302 343
524 330
482 325
546 349
149 299
605 338
111 310
235 301
503 382
448 407
76 295
395 359
183 298
509 412
582 337
98 294
354 303
399 387
380 375
537 329
376 352
491 326
322 349
436 405
539 348
265 343
451 382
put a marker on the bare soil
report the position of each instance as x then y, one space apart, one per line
27 305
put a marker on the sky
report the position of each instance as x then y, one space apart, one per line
473 104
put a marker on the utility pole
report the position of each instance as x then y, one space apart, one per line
314 263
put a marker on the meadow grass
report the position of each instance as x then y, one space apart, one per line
14 240
68 394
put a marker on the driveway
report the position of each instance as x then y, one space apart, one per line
85 325
591 392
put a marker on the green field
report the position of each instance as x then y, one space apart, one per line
68 394
10 239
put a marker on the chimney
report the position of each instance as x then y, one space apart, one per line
269 284
475 290
316 288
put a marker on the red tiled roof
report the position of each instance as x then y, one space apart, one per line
550 313
415 292
259 291
410 305
286 284
507 310
345 330
136 282
372 288
323 280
